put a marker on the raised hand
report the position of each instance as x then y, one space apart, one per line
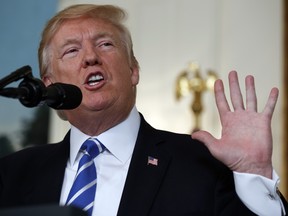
246 140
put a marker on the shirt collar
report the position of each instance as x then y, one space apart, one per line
118 140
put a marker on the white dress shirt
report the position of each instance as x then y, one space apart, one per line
259 194
112 165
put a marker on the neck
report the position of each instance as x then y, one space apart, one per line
95 123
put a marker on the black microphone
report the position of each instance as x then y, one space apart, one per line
62 96
32 92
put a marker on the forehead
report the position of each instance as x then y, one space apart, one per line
85 27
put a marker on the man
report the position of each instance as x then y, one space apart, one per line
142 171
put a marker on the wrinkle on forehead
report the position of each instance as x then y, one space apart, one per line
74 31
99 27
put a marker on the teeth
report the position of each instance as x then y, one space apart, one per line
94 79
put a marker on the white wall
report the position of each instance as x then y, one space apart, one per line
221 35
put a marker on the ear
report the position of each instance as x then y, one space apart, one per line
47 80
134 75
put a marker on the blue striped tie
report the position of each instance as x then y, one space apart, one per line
82 193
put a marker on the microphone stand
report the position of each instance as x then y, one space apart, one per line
21 73
31 87
32 92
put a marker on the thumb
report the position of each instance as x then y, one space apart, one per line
204 137
216 149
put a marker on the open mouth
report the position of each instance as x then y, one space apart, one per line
94 79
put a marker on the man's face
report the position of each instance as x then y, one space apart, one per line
90 54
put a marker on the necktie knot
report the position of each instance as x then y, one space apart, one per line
92 147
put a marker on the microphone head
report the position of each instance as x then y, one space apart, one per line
32 89
61 96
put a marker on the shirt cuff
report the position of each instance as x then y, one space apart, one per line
259 194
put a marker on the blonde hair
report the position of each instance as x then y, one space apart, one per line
112 14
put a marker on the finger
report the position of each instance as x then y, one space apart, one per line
235 92
209 141
271 103
204 137
221 101
251 99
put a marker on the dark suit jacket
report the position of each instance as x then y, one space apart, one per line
186 181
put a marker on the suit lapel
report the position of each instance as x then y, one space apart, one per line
48 183
144 179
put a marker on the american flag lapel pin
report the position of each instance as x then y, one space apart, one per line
153 161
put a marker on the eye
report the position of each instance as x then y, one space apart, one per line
106 44
70 52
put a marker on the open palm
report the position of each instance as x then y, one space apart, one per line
246 140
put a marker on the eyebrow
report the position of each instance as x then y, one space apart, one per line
70 41
103 35
74 40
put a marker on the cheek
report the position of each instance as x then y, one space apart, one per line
124 71
65 72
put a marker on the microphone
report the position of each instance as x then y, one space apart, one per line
32 92
63 96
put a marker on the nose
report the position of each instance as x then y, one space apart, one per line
90 58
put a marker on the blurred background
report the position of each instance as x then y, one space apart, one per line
220 35
21 23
